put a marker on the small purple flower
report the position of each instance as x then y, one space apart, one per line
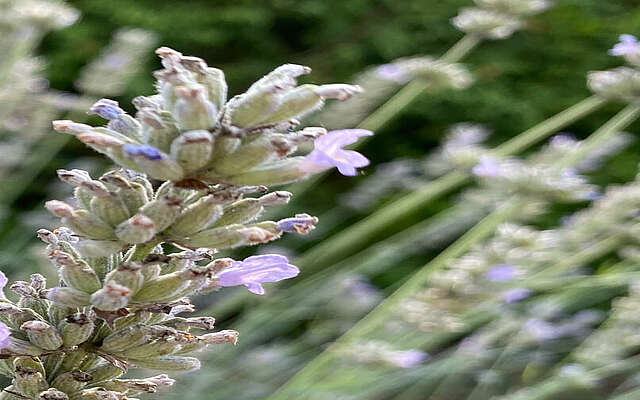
3 283
541 330
301 223
392 72
256 270
144 150
107 109
628 46
328 152
516 295
407 358
501 273
488 167
4 335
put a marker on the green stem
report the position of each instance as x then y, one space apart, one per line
363 232
459 50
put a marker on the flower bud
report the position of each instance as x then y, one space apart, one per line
102 394
192 150
153 348
29 382
104 372
19 346
153 162
275 173
67 296
196 216
76 273
97 248
169 363
159 129
259 234
162 211
486 23
186 324
218 238
301 223
137 229
258 103
53 394
125 338
71 382
193 110
74 177
111 297
166 287
240 212
76 329
226 336
128 275
110 209
29 363
621 84
42 335
81 221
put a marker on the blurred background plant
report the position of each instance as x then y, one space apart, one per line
526 308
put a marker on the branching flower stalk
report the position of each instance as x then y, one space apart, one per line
122 292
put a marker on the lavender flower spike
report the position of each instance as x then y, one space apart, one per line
256 270
628 46
107 109
328 152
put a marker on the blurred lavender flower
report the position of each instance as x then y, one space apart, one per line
3 283
501 273
4 335
328 152
487 167
392 72
515 295
407 358
627 46
256 270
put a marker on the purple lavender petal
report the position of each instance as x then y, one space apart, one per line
408 358
107 109
301 223
146 151
392 72
487 167
255 270
3 283
501 273
4 336
515 295
328 152
628 46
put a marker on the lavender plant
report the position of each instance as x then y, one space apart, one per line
122 289
520 302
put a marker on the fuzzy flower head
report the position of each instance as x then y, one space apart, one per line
328 152
253 271
629 48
